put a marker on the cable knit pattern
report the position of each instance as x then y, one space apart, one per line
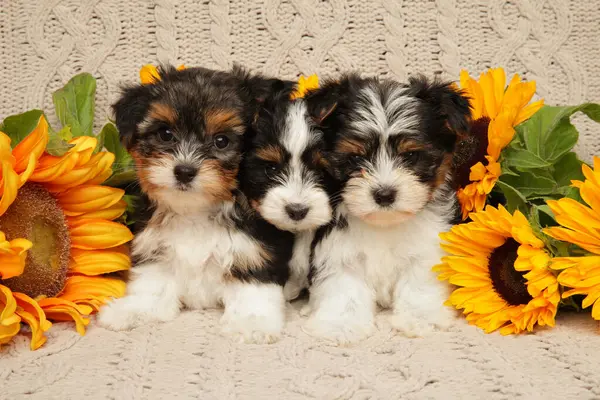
448 37
188 358
45 42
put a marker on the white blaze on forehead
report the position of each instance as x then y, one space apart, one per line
297 135
398 114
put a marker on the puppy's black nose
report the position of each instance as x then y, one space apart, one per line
296 211
384 196
185 173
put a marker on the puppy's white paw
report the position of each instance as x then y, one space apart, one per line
413 324
130 312
305 310
341 331
291 291
116 317
252 328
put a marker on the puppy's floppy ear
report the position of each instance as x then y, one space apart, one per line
257 86
322 102
130 110
446 99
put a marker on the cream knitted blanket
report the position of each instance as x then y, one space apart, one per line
555 42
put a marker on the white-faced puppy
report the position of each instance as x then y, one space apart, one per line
282 175
202 245
390 149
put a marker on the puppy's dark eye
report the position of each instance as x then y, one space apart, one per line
165 135
355 159
221 141
271 170
412 157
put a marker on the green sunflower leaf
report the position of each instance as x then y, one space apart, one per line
132 201
529 184
549 134
523 159
568 168
543 172
514 199
75 102
121 178
545 215
17 127
108 138
506 170
58 141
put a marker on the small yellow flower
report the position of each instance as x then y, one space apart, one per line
496 110
149 73
304 86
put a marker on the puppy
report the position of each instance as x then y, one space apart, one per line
202 246
389 148
283 177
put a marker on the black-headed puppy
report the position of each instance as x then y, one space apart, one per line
202 245
282 175
389 148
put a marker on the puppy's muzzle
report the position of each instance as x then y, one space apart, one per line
185 173
385 196
296 211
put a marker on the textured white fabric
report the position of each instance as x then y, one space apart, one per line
45 42
188 358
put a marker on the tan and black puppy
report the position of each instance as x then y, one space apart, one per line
201 246
283 178
389 149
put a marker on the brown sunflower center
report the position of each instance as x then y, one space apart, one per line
36 216
469 151
508 282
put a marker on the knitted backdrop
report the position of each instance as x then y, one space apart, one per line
555 42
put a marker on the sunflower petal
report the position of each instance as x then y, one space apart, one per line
50 167
32 314
88 198
8 307
31 306
98 262
110 213
526 112
31 148
486 81
96 234
149 74
12 256
7 332
10 185
59 309
93 291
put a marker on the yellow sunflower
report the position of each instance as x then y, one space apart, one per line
502 270
57 234
305 85
496 110
149 73
580 225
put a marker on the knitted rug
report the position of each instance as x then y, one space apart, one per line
188 358
555 42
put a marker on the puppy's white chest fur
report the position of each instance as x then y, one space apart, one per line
299 265
381 256
200 252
